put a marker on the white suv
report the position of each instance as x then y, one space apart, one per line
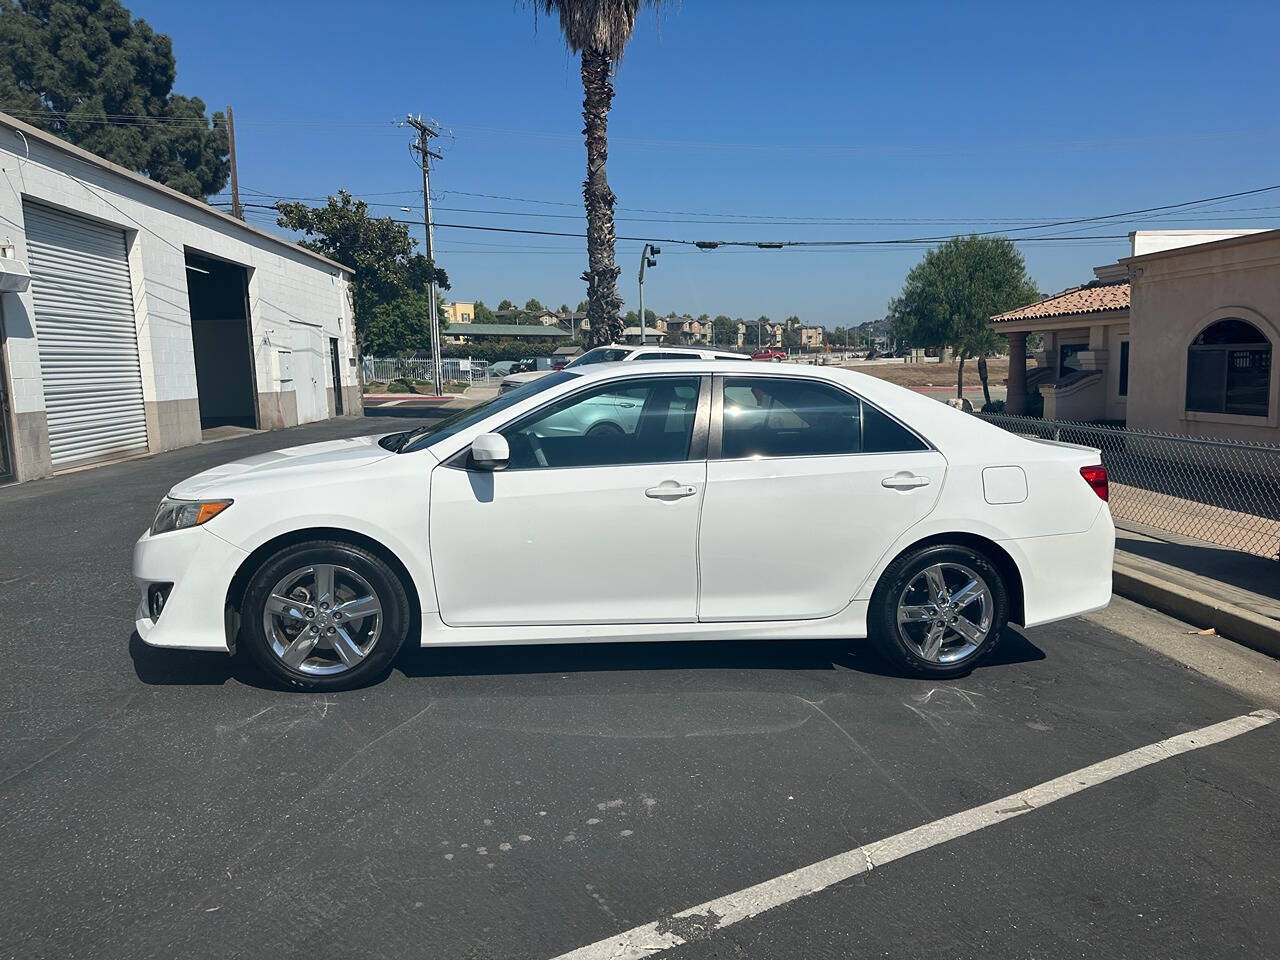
619 353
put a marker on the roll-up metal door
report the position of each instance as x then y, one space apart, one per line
88 341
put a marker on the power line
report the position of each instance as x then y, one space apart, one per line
1112 219
1027 223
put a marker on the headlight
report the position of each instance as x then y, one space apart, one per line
180 514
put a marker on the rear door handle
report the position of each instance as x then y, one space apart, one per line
904 481
670 490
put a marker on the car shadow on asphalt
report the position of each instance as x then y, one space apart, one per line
677 655
157 666
162 667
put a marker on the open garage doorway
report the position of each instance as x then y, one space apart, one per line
218 292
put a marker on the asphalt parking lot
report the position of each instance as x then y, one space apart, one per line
527 802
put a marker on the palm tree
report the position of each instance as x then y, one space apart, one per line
598 30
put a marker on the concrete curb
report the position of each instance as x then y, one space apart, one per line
1233 622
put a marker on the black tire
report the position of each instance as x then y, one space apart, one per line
386 584
882 621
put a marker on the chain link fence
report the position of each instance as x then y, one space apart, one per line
1221 491
384 370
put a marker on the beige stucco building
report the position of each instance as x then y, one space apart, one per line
460 311
1178 337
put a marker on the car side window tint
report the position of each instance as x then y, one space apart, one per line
880 434
627 422
787 417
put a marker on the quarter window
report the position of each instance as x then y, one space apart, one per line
1229 370
632 421
787 417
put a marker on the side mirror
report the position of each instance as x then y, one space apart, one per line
489 451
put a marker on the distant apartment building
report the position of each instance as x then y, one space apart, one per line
774 334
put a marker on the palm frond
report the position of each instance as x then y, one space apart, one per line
601 26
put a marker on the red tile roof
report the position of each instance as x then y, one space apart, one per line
1095 297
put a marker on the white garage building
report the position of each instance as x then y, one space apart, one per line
136 319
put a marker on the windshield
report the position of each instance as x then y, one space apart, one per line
599 355
433 433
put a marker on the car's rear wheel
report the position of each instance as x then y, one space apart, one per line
324 615
938 611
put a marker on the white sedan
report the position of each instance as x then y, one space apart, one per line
623 502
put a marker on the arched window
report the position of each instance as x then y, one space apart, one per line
1229 369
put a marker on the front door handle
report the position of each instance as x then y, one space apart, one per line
904 481
670 490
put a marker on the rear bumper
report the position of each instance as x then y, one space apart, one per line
200 566
1068 575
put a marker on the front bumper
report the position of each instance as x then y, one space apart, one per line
200 565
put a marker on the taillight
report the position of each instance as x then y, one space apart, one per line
1096 477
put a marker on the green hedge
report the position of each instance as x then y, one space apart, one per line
494 351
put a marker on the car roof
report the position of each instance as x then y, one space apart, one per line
880 392
663 348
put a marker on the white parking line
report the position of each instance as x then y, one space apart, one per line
697 923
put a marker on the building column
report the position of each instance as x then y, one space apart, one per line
1016 396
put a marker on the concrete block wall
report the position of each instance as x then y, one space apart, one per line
297 302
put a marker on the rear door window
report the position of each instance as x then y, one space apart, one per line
794 417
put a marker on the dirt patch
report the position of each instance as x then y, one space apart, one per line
931 373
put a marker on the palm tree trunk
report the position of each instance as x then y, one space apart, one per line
982 375
959 375
603 302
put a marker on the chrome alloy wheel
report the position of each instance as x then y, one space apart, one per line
944 614
322 619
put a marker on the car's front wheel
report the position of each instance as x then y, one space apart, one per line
324 615
938 610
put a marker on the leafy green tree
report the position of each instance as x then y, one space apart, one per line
506 305
598 30
564 308
482 314
398 326
380 251
69 67
724 330
581 307
951 294
533 305
762 330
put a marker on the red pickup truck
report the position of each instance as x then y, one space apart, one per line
777 356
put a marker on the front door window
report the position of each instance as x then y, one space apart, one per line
630 422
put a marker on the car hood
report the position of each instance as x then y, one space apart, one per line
301 465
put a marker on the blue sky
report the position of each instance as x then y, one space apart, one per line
964 113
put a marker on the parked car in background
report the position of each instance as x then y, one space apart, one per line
618 353
320 561
503 367
771 354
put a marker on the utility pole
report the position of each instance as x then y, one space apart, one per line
425 133
237 211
